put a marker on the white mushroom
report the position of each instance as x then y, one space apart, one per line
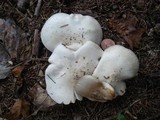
70 30
94 89
117 64
107 81
66 67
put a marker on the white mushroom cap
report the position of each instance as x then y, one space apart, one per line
71 30
117 63
66 67
94 89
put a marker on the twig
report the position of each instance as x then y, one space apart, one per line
130 115
36 13
35 45
133 103
44 59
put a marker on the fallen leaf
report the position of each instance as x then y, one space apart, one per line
4 62
40 97
126 27
17 71
25 108
15 40
19 84
134 37
20 108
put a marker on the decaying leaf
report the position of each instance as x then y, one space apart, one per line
4 62
126 27
40 97
19 84
14 39
17 71
20 108
134 37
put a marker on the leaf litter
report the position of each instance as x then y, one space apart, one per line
15 40
17 71
40 97
127 29
143 86
20 108
13 45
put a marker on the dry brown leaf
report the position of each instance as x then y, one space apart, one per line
134 37
20 108
40 97
126 27
25 108
15 110
17 71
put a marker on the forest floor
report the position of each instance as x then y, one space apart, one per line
25 20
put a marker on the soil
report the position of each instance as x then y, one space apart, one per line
142 98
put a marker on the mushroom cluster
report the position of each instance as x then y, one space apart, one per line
79 67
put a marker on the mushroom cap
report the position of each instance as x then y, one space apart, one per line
66 67
94 89
106 43
117 64
71 30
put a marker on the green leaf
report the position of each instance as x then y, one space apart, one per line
121 117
